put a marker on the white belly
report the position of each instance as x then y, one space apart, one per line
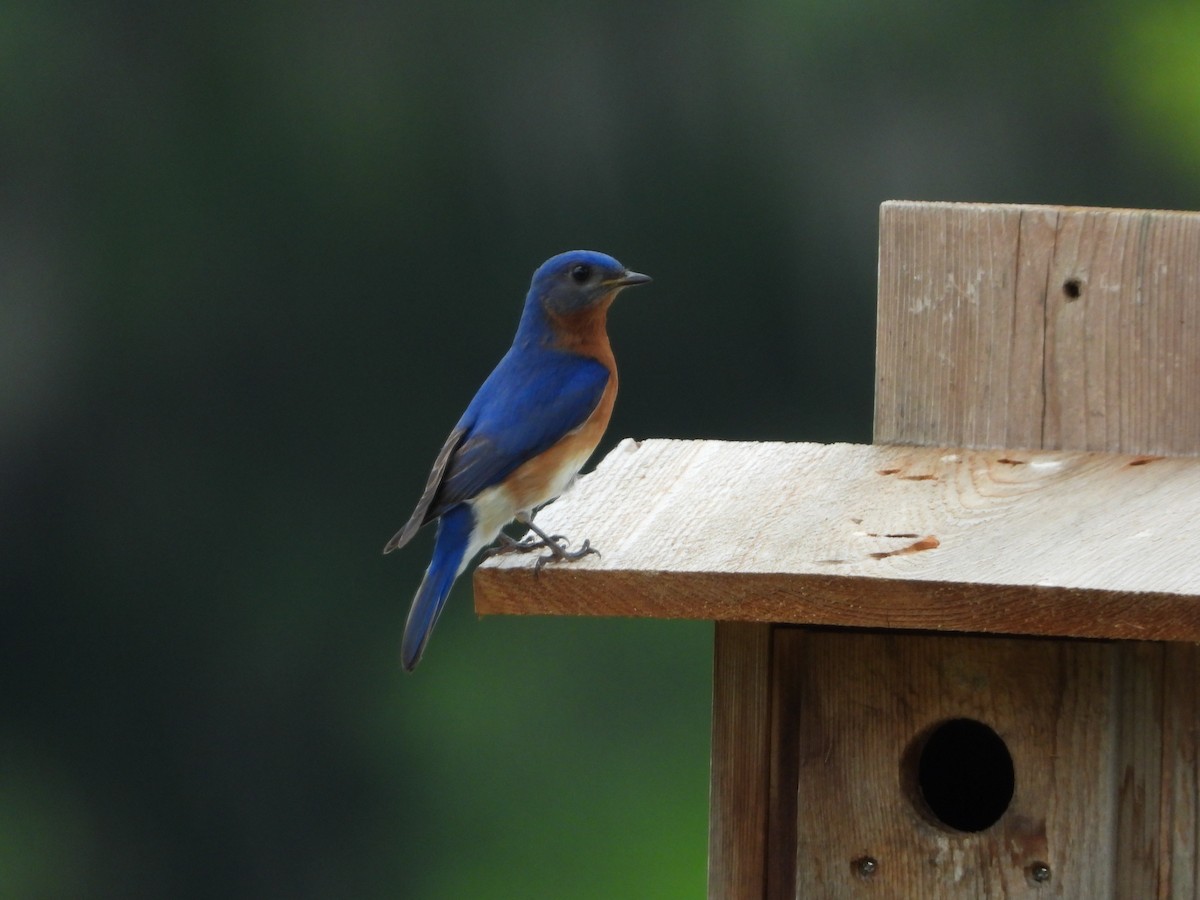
495 507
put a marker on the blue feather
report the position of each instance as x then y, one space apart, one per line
526 405
453 538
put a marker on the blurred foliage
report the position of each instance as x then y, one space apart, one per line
255 258
1160 69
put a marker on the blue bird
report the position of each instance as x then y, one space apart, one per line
523 439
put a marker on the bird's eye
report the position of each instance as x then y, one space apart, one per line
581 273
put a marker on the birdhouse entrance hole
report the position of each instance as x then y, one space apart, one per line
959 774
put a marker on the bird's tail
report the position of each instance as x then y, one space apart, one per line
449 552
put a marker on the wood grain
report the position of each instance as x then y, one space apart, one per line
1179 827
741 750
1065 328
1082 544
960 324
1039 326
1059 706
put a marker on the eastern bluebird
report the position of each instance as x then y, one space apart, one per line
531 427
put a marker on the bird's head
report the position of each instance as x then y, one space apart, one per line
579 280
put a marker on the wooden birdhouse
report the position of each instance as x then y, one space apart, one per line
962 661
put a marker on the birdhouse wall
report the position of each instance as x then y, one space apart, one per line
999 327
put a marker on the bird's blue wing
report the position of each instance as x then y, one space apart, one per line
432 486
531 400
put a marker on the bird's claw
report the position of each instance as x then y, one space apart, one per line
559 553
505 544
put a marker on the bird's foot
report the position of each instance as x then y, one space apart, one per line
556 544
505 544
560 553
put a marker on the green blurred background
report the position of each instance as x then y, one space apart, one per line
255 257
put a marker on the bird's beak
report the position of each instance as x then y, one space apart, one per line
631 278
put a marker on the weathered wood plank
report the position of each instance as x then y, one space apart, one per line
1059 707
1038 326
787 715
1133 755
960 323
741 749
1179 827
1123 332
1100 784
1063 543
